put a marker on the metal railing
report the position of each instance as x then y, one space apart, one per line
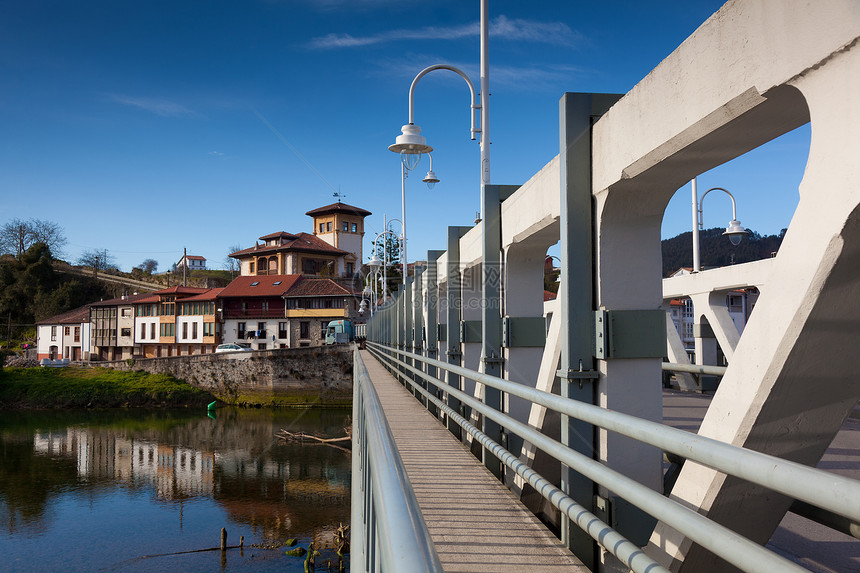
821 489
388 531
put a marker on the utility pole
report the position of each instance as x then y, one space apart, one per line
184 266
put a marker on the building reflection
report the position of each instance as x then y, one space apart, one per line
278 490
174 472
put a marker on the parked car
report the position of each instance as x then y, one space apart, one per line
230 347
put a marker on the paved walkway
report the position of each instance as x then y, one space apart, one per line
810 544
475 522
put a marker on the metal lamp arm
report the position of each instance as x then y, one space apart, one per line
702 200
475 106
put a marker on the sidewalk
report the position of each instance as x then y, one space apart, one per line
813 546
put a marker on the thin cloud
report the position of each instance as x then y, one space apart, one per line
160 107
503 28
520 78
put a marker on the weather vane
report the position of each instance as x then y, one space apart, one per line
339 195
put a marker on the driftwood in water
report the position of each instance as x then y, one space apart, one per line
288 436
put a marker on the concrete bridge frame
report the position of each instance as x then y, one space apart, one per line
754 71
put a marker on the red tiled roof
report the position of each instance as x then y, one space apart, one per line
339 208
318 287
278 235
76 316
301 242
210 294
130 299
180 290
265 286
549 295
195 257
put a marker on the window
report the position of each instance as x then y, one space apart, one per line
261 346
350 268
168 330
261 330
66 330
322 227
328 226
125 332
194 330
282 330
53 333
208 329
77 334
184 330
265 305
345 226
354 228
323 327
152 331
240 330
142 331
126 312
252 267
304 329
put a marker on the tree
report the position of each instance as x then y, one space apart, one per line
18 235
231 264
387 248
97 259
148 266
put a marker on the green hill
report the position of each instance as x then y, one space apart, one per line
716 250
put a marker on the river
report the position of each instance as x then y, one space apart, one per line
131 491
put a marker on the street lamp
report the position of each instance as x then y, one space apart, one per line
411 142
735 231
430 179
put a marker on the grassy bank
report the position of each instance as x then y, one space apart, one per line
94 388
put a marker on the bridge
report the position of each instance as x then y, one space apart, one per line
566 406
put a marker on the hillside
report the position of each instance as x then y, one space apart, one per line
716 250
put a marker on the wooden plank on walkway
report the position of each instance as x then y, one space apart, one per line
475 522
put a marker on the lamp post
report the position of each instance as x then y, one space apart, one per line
734 231
411 143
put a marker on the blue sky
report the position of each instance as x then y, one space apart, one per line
146 127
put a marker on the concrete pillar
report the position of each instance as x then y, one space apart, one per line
523 299
792 381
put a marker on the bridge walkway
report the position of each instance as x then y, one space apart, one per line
475 522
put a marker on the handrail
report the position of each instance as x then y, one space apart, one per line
822 489
695 368
626 551
388 531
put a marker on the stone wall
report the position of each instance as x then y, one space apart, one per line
282 377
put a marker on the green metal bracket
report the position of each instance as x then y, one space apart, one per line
629 334
522 331
470 331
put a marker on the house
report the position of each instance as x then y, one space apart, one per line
192 262
333 250
112 327
65 335
177 321
283 311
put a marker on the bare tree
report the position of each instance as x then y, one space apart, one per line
18 235
231 264
97 259
148 266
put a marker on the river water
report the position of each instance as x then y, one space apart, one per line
134 491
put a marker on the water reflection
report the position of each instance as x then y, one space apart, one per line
176 478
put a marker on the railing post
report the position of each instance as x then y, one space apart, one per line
431 323
417 313
577 368
452 329
491 318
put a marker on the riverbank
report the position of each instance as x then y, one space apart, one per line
49 388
